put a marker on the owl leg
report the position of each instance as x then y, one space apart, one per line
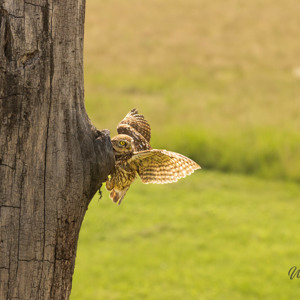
109 185
117 195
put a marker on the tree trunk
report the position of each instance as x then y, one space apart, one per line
52 160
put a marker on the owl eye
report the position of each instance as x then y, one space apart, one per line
122 143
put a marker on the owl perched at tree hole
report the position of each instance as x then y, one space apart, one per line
134 155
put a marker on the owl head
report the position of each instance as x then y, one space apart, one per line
122 144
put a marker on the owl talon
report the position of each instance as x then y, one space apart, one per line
100 192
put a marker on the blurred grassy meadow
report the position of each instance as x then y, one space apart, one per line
219 81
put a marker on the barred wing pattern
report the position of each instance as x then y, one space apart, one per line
162 166
138 128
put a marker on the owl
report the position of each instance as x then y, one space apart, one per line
134 155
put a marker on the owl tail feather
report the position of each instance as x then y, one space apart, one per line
117 196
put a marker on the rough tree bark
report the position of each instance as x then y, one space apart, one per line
52 159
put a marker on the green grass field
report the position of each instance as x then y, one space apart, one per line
219 81
222 78
210 236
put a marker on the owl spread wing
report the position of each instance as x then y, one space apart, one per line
162 166
138 128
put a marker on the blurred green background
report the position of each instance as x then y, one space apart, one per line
219 81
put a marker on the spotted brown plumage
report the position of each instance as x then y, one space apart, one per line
134 155
138 128
161 166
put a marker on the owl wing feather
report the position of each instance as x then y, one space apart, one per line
138 128
162 166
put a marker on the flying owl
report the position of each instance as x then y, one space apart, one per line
134 155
